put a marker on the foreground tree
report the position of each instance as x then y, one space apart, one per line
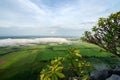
106 33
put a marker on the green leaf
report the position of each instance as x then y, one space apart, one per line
79 55
54 77
59 68
60 75
45 78
85 77
42 76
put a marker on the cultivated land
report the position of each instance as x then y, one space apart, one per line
26 62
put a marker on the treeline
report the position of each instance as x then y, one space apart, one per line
106 34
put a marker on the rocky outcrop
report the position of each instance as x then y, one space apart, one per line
106 74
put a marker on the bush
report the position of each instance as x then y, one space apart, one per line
72 66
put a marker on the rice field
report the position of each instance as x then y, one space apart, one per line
26 62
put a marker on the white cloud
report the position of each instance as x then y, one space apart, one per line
14 42
77 14
29 6
53 32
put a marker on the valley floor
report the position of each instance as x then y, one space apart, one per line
26 62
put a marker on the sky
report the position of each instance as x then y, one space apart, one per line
52 17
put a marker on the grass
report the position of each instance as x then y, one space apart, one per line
26 62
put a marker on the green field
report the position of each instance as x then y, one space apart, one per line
26 62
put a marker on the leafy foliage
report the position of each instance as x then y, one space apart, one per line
53 71
106 33
71 63
78 65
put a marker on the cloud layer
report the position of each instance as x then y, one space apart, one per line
52 17
17 42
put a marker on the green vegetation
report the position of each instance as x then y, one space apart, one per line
26 62
53 71
72 63
106 34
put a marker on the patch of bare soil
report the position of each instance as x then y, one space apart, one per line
2 62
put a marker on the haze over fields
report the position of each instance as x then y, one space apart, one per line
13 42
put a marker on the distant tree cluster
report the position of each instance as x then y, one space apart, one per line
106 34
